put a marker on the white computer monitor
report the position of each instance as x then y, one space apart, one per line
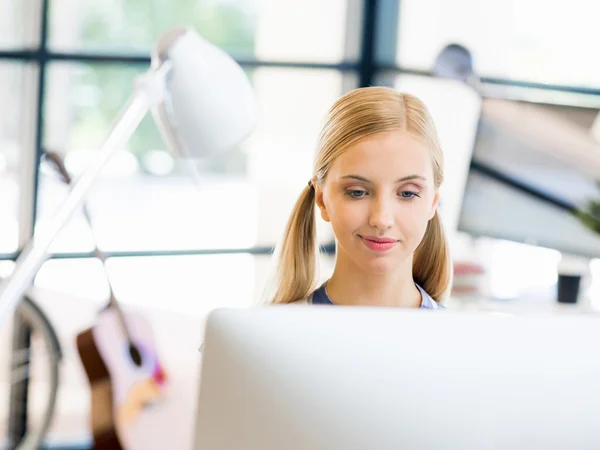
300 378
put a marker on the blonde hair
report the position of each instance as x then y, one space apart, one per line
356 115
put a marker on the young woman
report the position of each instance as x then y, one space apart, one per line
376 179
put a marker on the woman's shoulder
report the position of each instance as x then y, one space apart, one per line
318 296
427 301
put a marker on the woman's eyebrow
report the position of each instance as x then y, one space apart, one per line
399 180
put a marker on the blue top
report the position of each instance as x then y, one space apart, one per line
320 297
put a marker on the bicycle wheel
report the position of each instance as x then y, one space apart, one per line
45 350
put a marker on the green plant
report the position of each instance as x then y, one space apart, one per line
590 214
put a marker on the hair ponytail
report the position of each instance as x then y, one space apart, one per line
297 263
432 265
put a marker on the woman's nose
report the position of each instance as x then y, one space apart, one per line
382 216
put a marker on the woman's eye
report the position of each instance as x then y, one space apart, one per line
408 195
356 193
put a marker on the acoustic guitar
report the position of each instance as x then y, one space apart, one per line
120 359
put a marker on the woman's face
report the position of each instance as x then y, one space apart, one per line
379 196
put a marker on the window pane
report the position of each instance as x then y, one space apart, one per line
13 109
517 39
5 363
19 23
145 200
270 29
6 267
174 294
282 32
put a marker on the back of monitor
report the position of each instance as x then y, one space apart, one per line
297 378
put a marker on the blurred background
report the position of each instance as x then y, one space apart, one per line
522 163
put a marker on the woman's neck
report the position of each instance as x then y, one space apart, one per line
350 285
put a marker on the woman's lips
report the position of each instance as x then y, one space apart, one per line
378 244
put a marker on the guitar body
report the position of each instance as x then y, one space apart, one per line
101 414
120 359
125 390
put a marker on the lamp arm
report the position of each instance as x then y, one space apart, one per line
149 89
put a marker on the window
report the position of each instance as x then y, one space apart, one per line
529 40
17 29
13 135
262 29
126 25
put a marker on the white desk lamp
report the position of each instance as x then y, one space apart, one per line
202 103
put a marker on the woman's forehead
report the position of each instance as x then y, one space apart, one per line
390 155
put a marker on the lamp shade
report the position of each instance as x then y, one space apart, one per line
209 105
454 61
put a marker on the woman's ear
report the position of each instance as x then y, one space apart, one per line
434 205
319 200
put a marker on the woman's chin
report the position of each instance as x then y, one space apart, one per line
381 266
